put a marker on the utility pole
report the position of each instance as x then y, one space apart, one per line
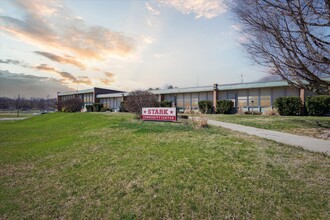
18 104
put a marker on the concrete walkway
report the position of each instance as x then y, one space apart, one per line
308 143
12 119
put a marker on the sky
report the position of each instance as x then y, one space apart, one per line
61 45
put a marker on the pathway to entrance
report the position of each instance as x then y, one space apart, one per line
308 143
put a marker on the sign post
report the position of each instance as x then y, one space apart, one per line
159 114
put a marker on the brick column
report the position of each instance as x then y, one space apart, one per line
302 95
215 95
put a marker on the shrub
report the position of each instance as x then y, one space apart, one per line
89 108
240 110
165 104
270 111
104 109
205 106
199 122
224 106
188 111
318 105
97 107
72 105
288 105
122 107
138 99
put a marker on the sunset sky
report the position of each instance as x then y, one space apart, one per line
54 45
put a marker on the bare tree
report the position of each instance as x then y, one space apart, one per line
72 105
138 99
292 37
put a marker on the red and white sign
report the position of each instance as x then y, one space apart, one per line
159 114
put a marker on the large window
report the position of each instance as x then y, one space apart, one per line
194 100
242 98
254 98
179 101
88 98
202 96
187 100
232 97
265 97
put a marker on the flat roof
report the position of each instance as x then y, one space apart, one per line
84 91
252 85
221 87
112 95
76 92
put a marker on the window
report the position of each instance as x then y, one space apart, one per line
265 97
242 98
253 101
194 101
187 100
179 101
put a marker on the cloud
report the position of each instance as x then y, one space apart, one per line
50 24
147 39
12 84
151 9
109 74
64 75
153 13
158 55
9 61
60 59
201 8
110 78
14 62
107 81
236 27
68 77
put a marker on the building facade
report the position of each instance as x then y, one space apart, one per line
254 96
88 96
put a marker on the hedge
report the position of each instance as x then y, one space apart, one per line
205 106
318 105
97 107
122 107
224 106
288 105
165 103
89 108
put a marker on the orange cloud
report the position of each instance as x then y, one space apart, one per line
107 81
60 59
109 74
64 75
43 25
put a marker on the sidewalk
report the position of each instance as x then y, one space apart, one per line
12 119
308 143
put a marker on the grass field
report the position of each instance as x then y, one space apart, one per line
312 126
87 165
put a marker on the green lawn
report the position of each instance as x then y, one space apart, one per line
303 125
92 166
